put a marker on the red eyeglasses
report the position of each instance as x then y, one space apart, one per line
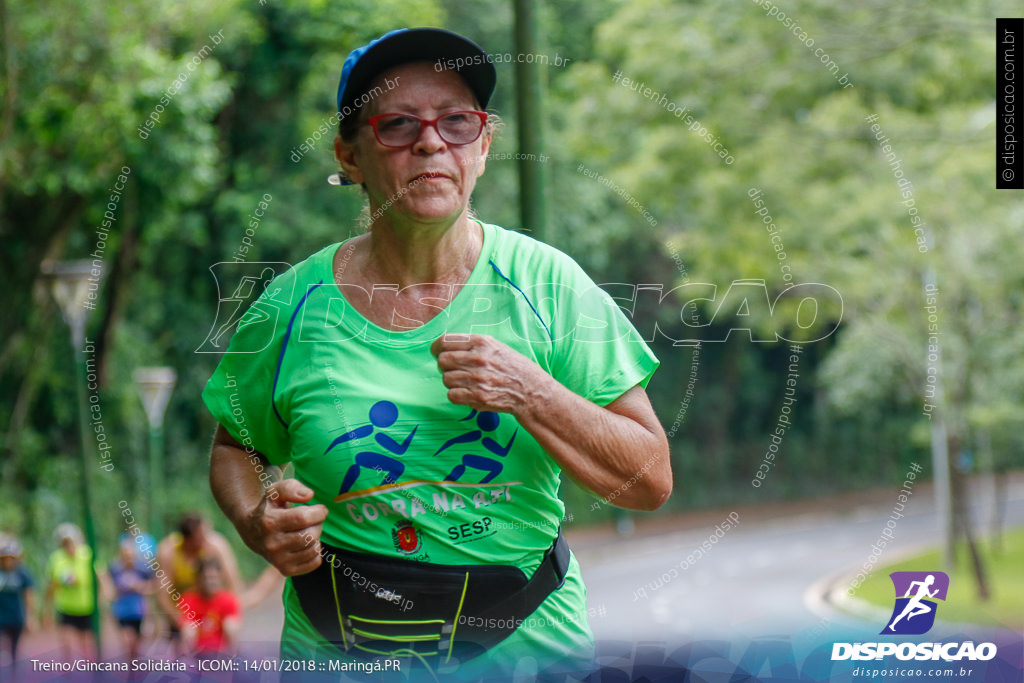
403 130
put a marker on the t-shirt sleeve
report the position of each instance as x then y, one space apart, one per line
597 352
240 394
26 579
187 606
229 606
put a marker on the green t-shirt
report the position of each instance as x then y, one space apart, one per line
362 413
72 580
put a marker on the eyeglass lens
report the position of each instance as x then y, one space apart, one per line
457 128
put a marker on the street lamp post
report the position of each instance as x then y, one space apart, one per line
70 284
530 120
155 386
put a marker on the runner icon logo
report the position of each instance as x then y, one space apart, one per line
915 608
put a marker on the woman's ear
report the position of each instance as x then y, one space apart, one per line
485 148
345 153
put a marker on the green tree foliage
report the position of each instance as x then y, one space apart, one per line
835 200
232 89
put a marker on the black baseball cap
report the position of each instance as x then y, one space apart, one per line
446 49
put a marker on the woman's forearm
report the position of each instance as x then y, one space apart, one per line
234 480
286 535
614 450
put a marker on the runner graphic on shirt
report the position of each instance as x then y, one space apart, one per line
382 414
487 422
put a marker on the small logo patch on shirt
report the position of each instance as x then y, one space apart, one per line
406 539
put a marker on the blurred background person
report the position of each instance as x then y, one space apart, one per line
180 553
126 584
70 588
211 614
17 603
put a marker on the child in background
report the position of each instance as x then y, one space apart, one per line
213 631
180 553
126 585
17 606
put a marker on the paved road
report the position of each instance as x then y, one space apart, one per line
755 581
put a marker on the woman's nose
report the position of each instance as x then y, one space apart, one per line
430 141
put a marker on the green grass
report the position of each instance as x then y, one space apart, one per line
1004 570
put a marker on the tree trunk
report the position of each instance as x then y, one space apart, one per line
962 525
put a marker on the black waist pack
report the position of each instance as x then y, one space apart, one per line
370 605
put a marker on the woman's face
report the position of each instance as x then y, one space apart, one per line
431 180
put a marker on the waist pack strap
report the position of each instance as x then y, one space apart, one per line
466 623
489 626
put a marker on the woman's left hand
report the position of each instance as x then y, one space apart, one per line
485 374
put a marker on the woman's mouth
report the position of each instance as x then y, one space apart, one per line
429 176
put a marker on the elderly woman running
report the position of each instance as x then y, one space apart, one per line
428 381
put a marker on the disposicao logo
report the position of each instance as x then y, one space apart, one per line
915 608
913 614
